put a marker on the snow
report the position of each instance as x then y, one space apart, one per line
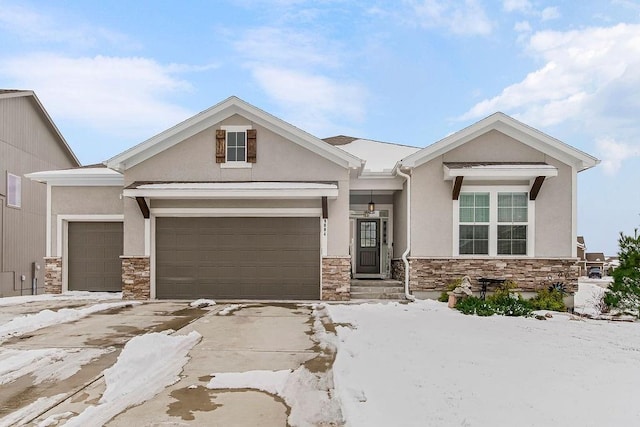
379 156
201 303
31 322
46 364
24 415
72 295
425 364
148 363
587 298
230 309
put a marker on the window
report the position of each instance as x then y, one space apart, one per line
474 224
493 222
236 147
368 234
512 219
14 190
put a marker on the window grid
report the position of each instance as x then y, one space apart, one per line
368 234
474 237
236 147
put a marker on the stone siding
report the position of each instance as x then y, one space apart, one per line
530 274
397 269
336 278
53 275
136 277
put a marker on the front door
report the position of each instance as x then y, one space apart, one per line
368 246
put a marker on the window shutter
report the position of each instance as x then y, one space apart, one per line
252 146
220 145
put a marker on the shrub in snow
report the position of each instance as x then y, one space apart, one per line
548 299
624 292
504 301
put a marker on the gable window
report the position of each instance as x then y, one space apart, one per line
493 222
236 146
14 190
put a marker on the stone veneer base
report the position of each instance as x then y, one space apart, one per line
53 275
136 277
336 278
530 274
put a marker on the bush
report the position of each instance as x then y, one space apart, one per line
548 299
504 301
474 305
624 293
444 296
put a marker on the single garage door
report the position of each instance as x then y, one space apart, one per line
94 256
238 258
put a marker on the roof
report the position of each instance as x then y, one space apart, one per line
513 128
14 93
378 156
81 176
227 108
595 256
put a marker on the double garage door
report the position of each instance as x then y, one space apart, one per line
237 258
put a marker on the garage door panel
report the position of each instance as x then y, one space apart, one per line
94 256
248 258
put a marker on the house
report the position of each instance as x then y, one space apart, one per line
595 259
235 203
29 142
582 259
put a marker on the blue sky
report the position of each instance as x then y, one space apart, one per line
112 74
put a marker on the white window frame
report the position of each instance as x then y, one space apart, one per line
493 220
235 164
14 197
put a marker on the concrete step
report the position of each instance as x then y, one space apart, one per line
399 296
376 283
378 289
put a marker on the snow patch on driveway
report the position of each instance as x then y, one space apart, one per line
71 295
148 363
24 415
32 322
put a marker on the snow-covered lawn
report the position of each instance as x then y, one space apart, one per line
423 364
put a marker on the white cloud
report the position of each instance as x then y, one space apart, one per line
589 76
463 18
522 27
33 26
517 6
117 95
305 75
613 153
549 13
312 100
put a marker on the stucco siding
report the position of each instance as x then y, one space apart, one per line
278 159
553 214
494 146
431 211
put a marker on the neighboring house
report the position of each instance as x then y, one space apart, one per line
29 142
595 259
235 203
582 259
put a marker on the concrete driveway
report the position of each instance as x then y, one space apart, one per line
269 337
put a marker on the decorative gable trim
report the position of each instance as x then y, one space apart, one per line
215 115
510 127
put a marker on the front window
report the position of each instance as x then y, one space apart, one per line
474 223
14 190
236 146
493 223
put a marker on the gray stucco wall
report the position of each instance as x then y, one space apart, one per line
432 206
277 160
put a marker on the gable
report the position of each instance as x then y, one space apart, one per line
494 146
194 159
512 128
207 119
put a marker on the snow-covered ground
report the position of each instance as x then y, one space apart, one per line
425 364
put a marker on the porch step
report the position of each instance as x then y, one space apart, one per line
377 289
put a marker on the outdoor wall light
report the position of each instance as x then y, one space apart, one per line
372 206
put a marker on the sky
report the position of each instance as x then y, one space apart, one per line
113 74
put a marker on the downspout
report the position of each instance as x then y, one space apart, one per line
407 295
